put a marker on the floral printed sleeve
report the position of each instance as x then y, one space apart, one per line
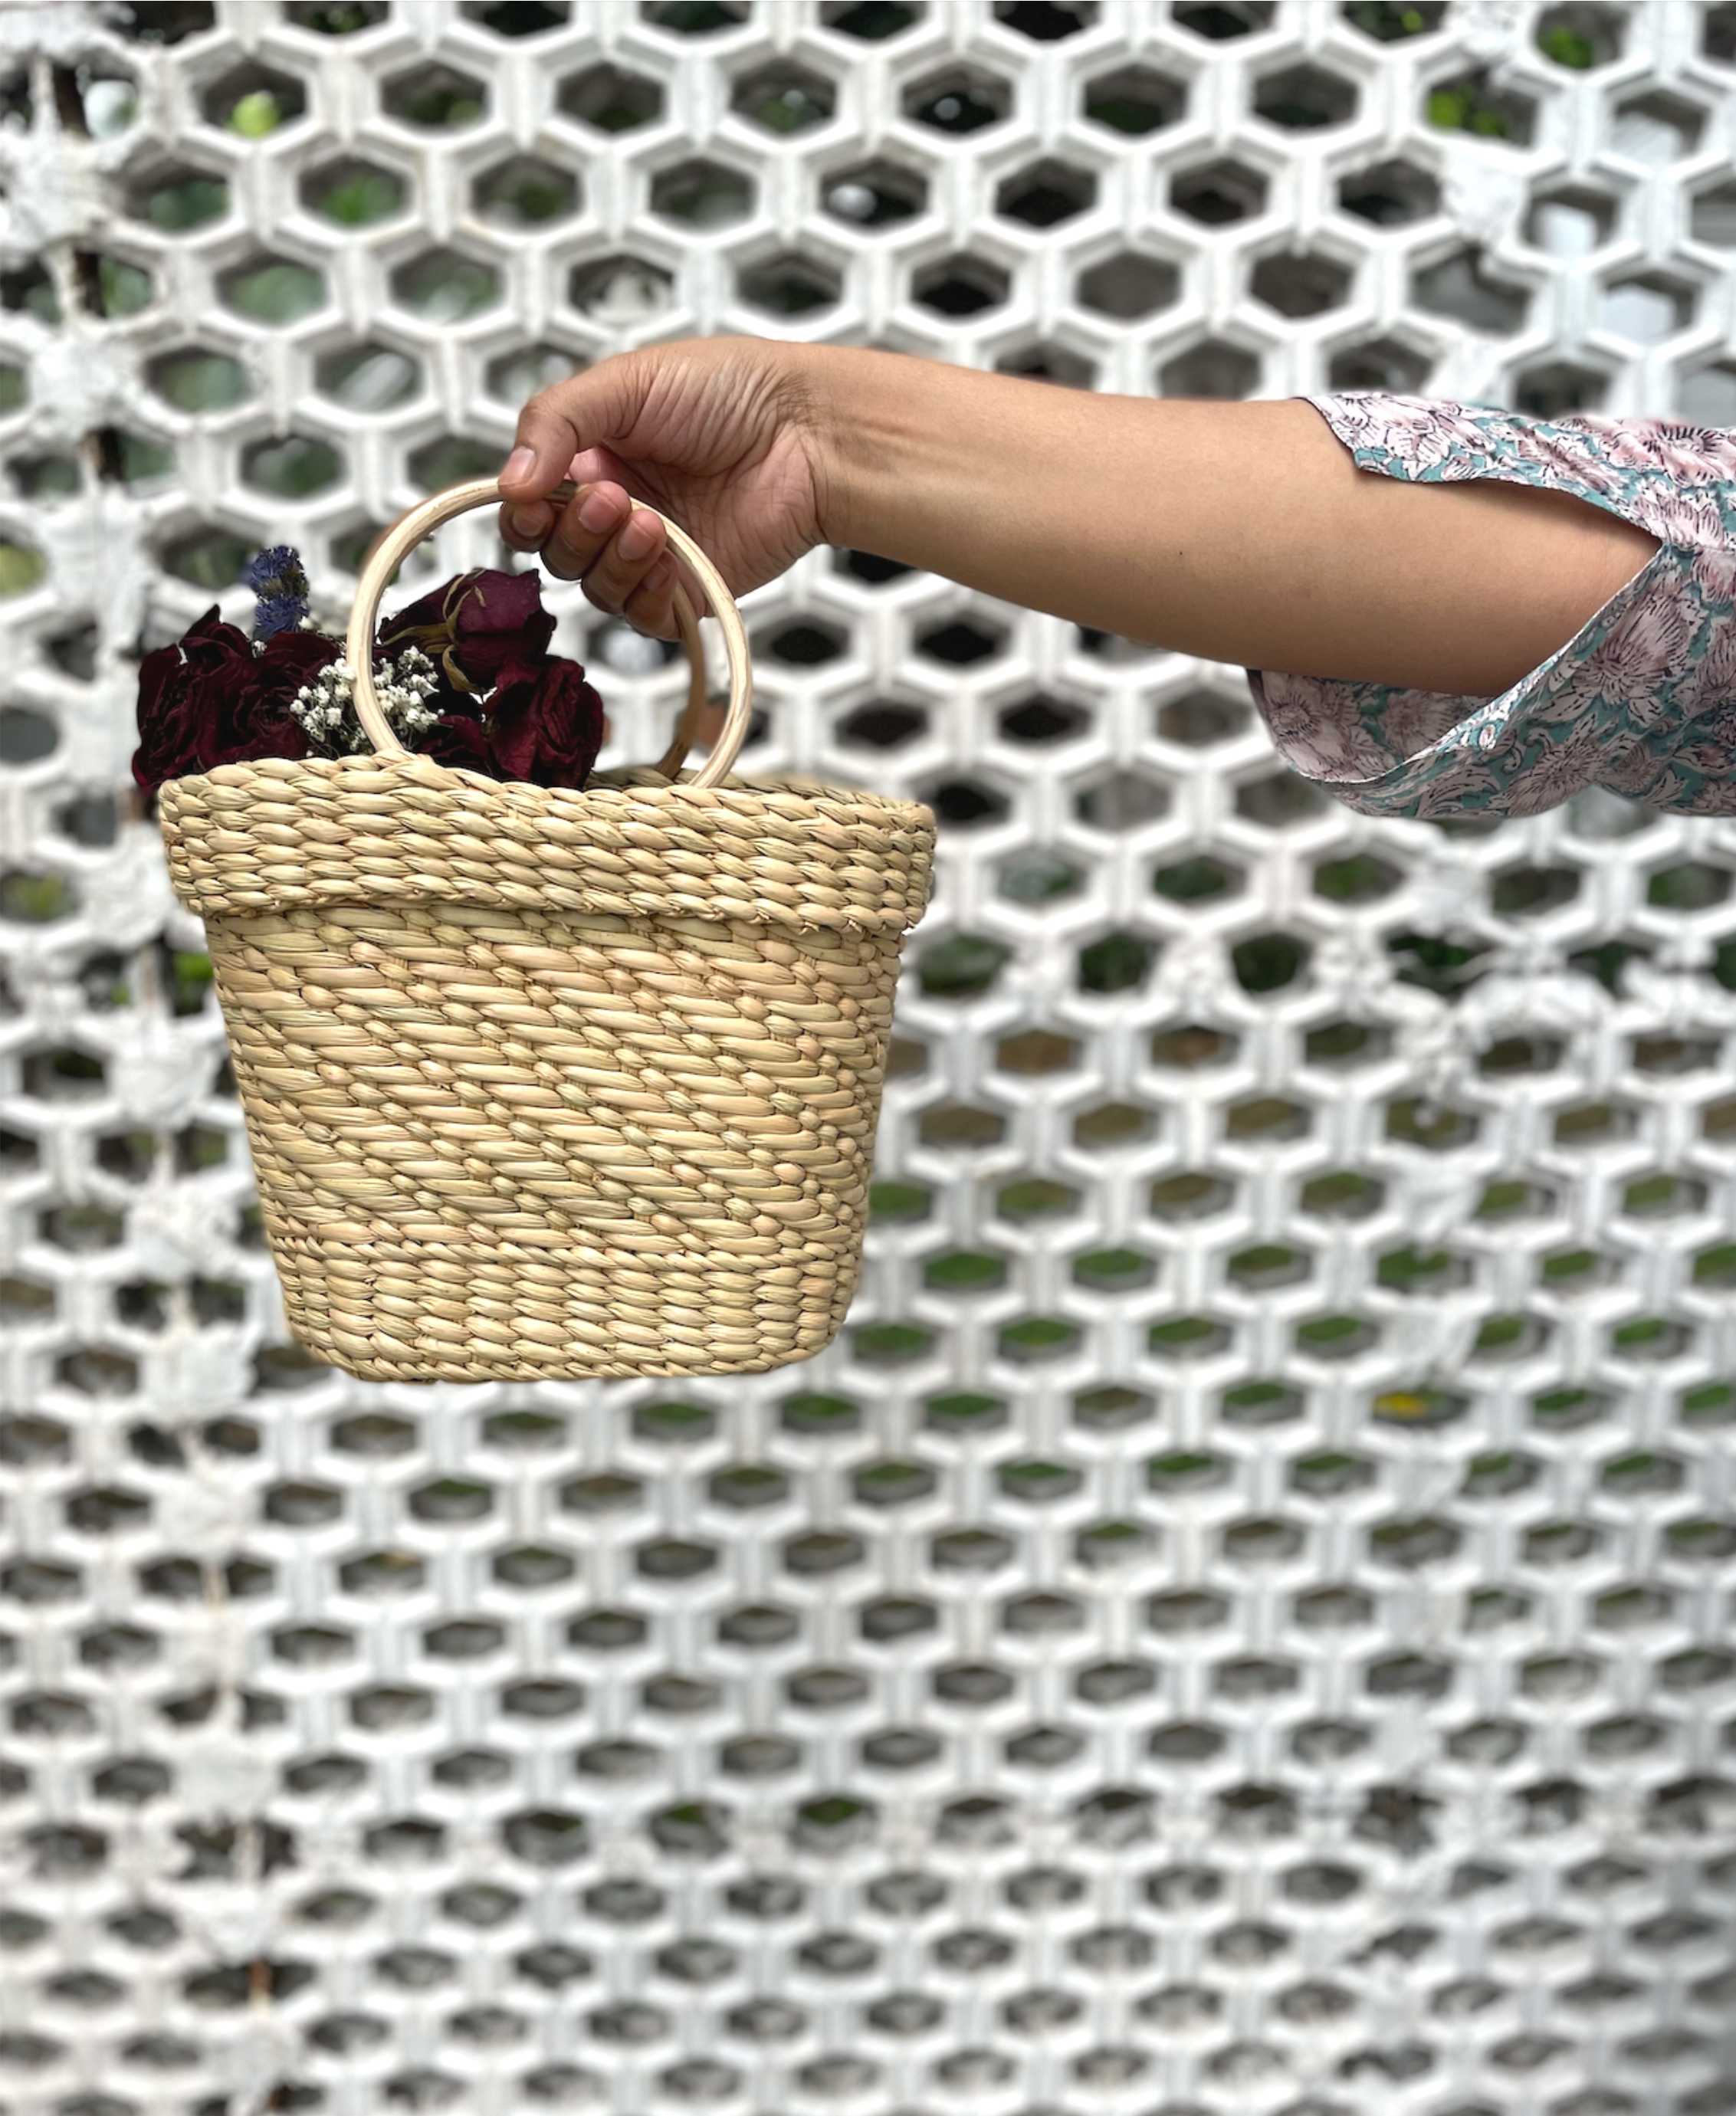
1642 700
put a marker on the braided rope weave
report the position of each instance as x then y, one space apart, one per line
543 1084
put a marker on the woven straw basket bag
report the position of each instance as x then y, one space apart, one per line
542 1084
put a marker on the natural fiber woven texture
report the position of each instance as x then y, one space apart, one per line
543 1083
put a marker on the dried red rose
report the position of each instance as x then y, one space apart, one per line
475 627
208 699
458 740
504 708
546 725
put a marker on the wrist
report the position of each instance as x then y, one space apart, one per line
860 408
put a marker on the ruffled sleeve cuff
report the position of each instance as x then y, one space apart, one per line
1614 706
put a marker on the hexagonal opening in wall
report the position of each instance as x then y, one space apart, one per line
1218 193
1040 361
516 18
1037 1054
1134 100
1211 368
1278 800
1656 128
965 803
445 285
783 98
272 290
1343 1044
1712 214
123 286
1270 962
523 192
965 966
526 370
698 193
1119 800
1646 307
1038 878
352 192
368 377
960 1127
435 99
1553 388
1395 21
1390 194
254 100
886 726
1570 220
1469 102
1300 283
1305 97
958 99
875 194
1202 719
450 459
961 286
1687 886
1382 363
295 466
1129 287
193 379
1463 288
1193 1046
1218 21
109 95
1580 35
789 283
179 197
961 643
1041 719
1046 192
1201 878
1355 878
1112 1127
620 288
318 18
1707 394
207 556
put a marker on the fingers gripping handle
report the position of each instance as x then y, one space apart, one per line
422 520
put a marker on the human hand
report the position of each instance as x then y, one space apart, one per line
724 434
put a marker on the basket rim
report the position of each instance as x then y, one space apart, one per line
635 783
279 833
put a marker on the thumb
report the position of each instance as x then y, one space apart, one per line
572 416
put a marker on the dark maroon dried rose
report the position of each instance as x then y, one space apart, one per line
208 700
458 740
475 627
546 725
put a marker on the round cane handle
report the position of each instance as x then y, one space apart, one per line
428 515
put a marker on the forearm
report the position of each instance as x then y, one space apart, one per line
1242 532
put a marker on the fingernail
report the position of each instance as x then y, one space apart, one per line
520 463
638 537
523 520
598 512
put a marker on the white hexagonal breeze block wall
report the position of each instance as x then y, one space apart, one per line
1241 1624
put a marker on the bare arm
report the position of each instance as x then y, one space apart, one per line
1242 532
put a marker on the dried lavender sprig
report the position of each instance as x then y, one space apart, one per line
279 583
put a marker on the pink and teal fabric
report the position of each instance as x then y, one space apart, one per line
1641 701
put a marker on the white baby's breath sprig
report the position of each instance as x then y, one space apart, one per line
326 706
